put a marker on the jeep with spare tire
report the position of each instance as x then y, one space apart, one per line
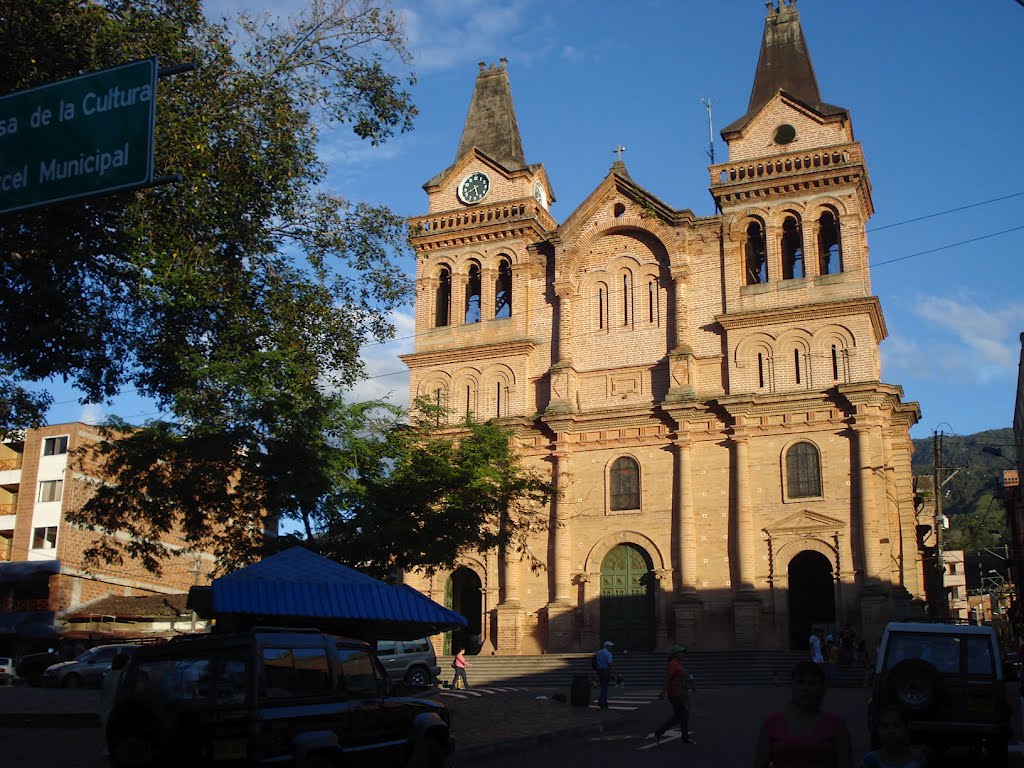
947 682
270 696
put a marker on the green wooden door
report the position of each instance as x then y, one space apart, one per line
627 599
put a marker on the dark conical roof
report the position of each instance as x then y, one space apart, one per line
784 65
491 123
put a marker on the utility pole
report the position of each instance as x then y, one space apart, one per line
942 608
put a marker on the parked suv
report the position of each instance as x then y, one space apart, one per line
948 681
410 661
87 670
270 697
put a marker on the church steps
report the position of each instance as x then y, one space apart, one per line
711 669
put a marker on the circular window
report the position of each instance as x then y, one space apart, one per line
785 133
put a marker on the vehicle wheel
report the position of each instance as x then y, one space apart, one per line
418 677
141 733
915 685
430 754
72 681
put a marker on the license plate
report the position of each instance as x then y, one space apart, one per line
229 749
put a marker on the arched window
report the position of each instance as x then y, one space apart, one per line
653 310
624 491
835 363
796 365
443 299
830 252
503 290
473 294
760 370
602 306
627 298
756 269
803 471
792 249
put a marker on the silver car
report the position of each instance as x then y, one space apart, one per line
7 675
87 670
412 662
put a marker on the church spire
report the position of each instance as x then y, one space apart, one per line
491 123
784 64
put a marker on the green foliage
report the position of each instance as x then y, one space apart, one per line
237 299
972 499
432 491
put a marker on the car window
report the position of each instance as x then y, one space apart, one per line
357 674
415 646
941 651
289 672
979 656
233 679
176 679
101 655
386 647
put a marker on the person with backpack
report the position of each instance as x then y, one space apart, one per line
678 684
459 665
603 662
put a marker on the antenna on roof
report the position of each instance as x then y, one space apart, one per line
710 151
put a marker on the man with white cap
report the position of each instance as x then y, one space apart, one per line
603 665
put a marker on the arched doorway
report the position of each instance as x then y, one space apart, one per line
627 599
812 596
463 594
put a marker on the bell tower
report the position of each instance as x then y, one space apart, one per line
479 273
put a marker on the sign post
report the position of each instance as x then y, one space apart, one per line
81 137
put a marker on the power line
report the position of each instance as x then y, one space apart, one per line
943 213
946 247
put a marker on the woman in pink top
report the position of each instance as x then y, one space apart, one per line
460 670
802 736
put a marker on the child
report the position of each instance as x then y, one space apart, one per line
895 751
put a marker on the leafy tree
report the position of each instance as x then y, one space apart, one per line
424 492
238 299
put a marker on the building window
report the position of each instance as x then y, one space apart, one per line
796 364
754 252
653 310
835 363
627 298
760 370
803 471
473 294
625 484
443 299
498 401
51 490
44 538
54 446
830 252
602 307
792 249
503 291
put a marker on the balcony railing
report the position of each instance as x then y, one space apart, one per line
794 162
8 509
6 464
502 212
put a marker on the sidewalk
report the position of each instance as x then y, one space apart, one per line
481 725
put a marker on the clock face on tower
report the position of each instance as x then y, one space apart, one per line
538 194
474 187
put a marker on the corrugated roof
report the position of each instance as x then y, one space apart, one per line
300 583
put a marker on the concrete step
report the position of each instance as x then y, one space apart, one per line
710 669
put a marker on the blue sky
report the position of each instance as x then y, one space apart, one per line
934 88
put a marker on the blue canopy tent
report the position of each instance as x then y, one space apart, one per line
299 588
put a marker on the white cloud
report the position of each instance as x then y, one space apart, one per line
966 340
387 376
449 34
92 413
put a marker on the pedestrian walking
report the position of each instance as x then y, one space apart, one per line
814 644
678 684
603 664
803 735
459 664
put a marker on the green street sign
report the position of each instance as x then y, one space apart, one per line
88 135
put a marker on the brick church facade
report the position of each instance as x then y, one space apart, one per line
705 392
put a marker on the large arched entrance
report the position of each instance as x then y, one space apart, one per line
812 596
463 594
627 599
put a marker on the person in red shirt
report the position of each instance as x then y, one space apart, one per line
678 684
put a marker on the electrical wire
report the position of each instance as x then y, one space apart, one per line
944 213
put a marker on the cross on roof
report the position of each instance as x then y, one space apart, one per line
618 151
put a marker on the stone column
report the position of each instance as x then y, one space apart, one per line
685 524
566 295
743 527
663 577
867 439
560 540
